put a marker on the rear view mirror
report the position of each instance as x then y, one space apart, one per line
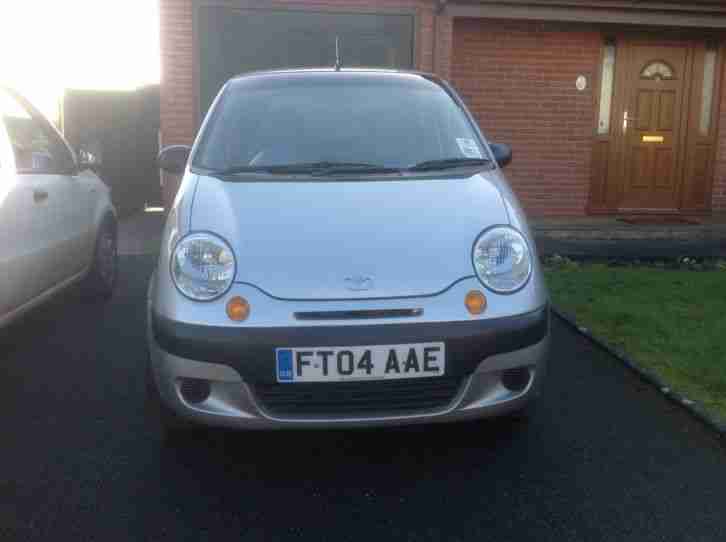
89 157
173 159
502 153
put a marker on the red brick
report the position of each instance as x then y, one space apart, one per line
519 80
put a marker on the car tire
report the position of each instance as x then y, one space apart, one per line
172 428
101 279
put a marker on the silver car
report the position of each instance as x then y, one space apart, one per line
344 251
58 226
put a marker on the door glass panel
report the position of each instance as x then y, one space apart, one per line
709 72
606 89
657 70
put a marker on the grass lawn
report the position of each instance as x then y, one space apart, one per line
671 321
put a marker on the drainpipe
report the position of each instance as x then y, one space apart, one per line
440 7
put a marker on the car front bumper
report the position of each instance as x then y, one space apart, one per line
236 363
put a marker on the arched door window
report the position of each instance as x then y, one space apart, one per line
657 70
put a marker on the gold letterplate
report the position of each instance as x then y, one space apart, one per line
653 139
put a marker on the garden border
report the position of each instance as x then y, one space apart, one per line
692 407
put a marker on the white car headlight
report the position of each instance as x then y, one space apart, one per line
202 266
502 259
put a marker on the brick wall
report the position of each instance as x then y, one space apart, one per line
442 43
178 109
519 80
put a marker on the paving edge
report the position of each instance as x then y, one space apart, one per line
692 407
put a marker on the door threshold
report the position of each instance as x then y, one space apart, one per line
659 220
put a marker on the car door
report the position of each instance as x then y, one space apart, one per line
24 222
46 237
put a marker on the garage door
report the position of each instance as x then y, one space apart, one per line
232 41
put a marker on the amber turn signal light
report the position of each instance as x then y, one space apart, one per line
475 302
238 309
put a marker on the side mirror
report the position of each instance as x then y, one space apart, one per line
173 159
502 153
89 158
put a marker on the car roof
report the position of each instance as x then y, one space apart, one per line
273 79
315 73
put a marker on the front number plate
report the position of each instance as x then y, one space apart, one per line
347 363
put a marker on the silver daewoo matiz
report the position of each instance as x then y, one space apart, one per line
343 251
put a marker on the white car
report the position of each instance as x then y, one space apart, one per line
57 223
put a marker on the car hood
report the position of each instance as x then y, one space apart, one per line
324 240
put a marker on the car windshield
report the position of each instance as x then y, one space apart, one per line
342 122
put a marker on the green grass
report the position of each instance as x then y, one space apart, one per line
671 321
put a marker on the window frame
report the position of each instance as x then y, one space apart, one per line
606 88
56 140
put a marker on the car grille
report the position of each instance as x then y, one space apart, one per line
346 399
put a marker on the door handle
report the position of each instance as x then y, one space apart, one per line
39 195
626 120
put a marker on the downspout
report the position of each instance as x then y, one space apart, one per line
440 7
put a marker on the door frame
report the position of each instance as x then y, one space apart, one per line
608 163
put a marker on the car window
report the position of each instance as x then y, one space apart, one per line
380 122
37 149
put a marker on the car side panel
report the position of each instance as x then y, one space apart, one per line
15 211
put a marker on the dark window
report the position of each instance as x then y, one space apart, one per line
233 41
394 122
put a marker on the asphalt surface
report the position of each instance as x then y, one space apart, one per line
606 458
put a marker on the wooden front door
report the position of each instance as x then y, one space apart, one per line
654 145
652 127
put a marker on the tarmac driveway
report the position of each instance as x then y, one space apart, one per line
606 458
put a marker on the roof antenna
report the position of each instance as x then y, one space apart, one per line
337 54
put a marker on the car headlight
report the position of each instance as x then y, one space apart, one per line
502 259
202 266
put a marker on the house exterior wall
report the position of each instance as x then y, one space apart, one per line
518 77
178 107
519 80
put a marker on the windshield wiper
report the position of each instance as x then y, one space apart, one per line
449 163
308 168
281 169
336 168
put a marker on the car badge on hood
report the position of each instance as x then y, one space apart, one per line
359 283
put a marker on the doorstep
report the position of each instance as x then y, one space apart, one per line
608 237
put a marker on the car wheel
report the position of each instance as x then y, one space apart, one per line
173 429
101 279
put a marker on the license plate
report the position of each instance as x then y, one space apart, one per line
347 363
